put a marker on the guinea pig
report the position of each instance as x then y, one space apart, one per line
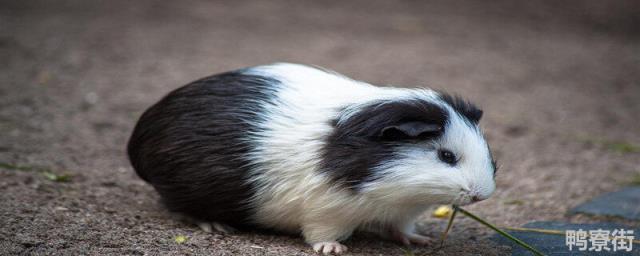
304 150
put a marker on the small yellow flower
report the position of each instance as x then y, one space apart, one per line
180 239
442 212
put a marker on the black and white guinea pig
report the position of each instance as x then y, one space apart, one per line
299 149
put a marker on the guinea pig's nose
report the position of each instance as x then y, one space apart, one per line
476 199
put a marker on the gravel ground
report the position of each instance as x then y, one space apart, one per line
559 83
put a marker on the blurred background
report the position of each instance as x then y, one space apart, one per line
559 82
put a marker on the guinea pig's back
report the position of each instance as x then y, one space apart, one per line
192 145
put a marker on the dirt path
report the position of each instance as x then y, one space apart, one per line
559 85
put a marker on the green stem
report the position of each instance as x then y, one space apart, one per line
505 234
446 231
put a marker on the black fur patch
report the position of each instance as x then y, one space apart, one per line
465 108
189 147
356 145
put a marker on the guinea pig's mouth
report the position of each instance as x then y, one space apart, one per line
466 198
462 201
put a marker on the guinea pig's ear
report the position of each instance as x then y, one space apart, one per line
410 130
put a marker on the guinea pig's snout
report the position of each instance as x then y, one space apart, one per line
477 193
474 196
477 197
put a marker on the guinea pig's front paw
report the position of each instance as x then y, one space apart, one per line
329 247
408 239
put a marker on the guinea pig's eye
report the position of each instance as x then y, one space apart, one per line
447 156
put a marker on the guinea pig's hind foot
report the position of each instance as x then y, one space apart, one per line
329 247
408 239
209 227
